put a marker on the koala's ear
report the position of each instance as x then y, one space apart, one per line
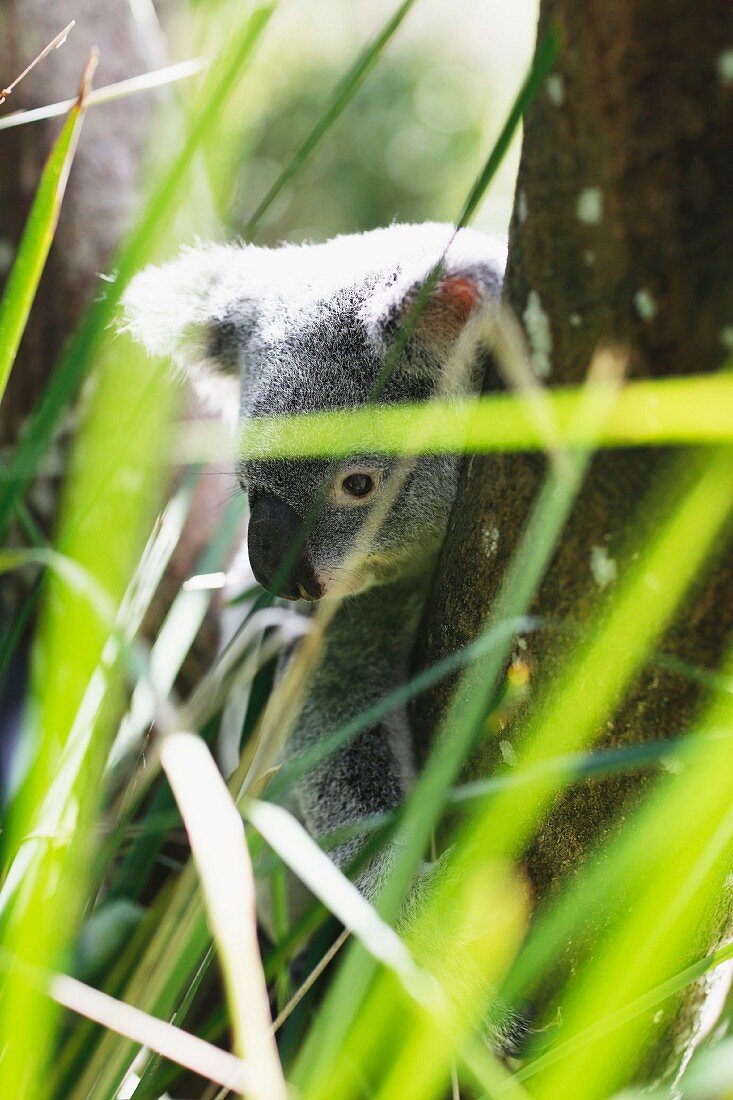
195 310
472 273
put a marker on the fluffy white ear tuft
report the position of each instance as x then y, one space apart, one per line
473 268
180 309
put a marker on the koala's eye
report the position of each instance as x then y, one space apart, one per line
355 486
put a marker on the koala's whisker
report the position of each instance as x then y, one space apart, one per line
231 494
230 475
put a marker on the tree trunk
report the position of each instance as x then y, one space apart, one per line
621 232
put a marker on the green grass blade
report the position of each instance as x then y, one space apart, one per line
20 289
181 1047
149 1087
571 768
42 916
288 838
123 625
175 638
606 660
308 760
171 958
620 640
670 865
340 98
662 412
630 1012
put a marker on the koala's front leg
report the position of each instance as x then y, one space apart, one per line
366 778
370 776
366 655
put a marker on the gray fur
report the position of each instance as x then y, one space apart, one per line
307 328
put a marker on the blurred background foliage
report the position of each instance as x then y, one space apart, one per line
405 149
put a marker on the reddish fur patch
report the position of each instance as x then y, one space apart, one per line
449 306
458 294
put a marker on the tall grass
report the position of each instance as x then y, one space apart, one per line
95 795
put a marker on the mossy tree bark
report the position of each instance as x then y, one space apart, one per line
621 232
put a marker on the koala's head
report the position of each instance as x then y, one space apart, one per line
308 328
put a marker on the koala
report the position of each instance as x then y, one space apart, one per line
309 328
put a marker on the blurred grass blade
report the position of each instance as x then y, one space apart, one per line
219 850
340 98
619 641
651 413
578 766
123 624
629 1013
20 289
666 853
187 1050
108 93
307 760
299 851
571 767
541 63
467 933
610 656
106 513
444 999
168 962
64 567
175 638
155 560
709 1076
146 237
661 844
464 935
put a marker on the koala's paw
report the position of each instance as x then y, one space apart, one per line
507 1031
444 927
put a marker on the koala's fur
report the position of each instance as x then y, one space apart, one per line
308 328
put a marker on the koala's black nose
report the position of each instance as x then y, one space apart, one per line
274 529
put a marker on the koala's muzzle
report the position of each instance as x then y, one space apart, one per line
274 531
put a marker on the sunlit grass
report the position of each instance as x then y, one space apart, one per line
40 227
